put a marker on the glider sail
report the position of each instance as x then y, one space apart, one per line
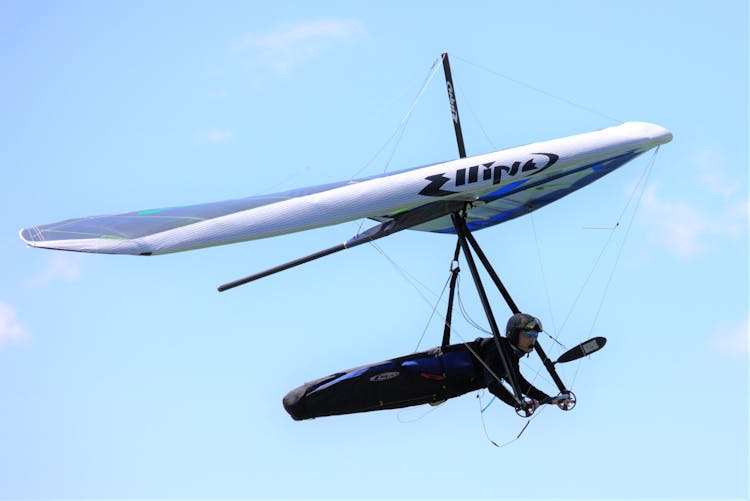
496 187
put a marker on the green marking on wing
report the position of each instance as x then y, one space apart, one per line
154 211
397 212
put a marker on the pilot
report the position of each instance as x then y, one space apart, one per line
521 334
428 377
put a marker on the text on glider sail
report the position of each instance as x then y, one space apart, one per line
489 171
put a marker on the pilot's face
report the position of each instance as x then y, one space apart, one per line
527 340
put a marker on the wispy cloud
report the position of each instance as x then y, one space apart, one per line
284 47
216 136
676 226
11 330
732 340
61 266
713 176
690 228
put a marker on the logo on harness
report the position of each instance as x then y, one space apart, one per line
384 376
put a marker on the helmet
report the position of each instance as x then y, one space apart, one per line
521 322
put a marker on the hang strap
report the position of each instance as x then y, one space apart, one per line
454 278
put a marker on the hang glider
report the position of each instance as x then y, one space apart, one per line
458 197
496 187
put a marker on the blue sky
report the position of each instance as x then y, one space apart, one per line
126 377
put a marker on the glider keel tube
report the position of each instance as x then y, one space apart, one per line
402 222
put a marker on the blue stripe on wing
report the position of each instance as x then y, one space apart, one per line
527 195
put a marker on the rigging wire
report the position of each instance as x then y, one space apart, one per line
642 182
298 173
540 91
464 99
484 424
420 416
410 279
543 272
398 133
638 189
575 375
588 278
416 284
488 405
465 314
432 315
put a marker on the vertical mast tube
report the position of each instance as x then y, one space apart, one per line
454 106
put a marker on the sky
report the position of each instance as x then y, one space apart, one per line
131 377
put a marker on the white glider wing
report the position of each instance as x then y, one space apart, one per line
498 186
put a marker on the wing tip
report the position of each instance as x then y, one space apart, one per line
34 237
30 236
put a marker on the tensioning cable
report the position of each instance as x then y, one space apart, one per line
398 133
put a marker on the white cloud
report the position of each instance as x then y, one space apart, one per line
61 266
740 210
284 47
732 340
216 136
677 226
11 330
712 175
686 229
717 211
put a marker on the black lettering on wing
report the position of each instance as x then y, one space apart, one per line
435 188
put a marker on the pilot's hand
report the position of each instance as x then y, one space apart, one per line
565 401
527 407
